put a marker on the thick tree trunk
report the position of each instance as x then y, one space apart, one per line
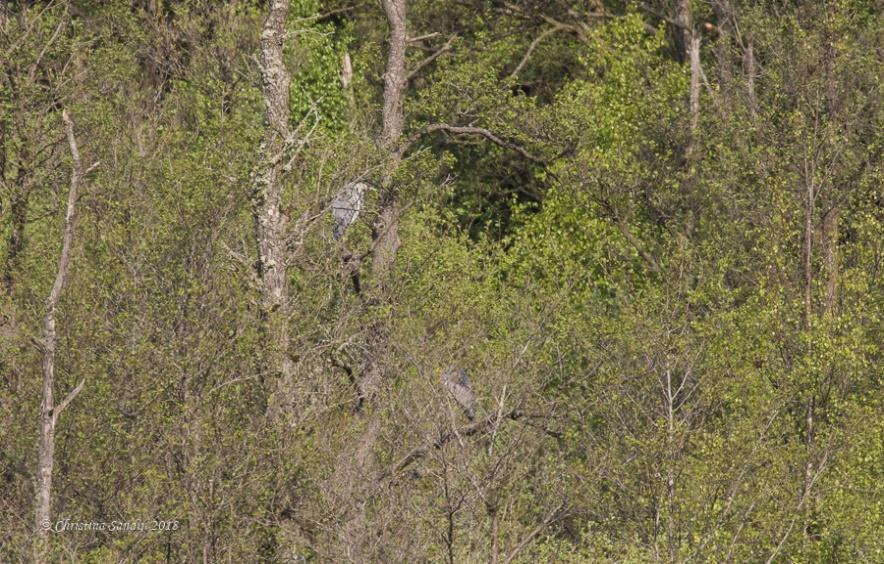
356 478
276 367
684 23
386 227
49 412
395 77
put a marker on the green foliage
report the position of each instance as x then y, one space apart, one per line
673 334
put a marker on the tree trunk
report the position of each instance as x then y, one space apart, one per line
810 402
49 413
347 81
694 98
395 78
15 243
807 251
276 366
684 23
670 466
724 17
386 227
830 258
749 70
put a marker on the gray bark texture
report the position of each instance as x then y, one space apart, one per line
695 82
49 412
386 227
684 23
395 76
269 220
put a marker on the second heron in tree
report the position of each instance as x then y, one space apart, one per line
458 385
346 206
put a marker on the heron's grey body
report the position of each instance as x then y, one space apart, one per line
458 385
346 206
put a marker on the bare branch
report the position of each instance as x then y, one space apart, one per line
420 38
623 226
468 431
440 51
804 497
70 217
533 46
553 516
468 130
69 398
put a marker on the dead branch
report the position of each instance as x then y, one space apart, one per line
468 431
439 52
554 515
533 46
468 130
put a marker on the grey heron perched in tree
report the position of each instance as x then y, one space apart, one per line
346 206
458 385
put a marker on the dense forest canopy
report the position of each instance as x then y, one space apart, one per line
441 281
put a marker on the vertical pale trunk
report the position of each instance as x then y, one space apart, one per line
670 467
830 258
684 23
693 55
49 412
269 221
833 213
386 227
355 477
749 69
395 77
347 81
694 99
724 16
687 44
807 266
807 251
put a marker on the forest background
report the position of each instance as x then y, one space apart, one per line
650 232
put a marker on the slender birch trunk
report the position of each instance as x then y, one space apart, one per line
807 267
749 69
49 411
670 466
694 99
